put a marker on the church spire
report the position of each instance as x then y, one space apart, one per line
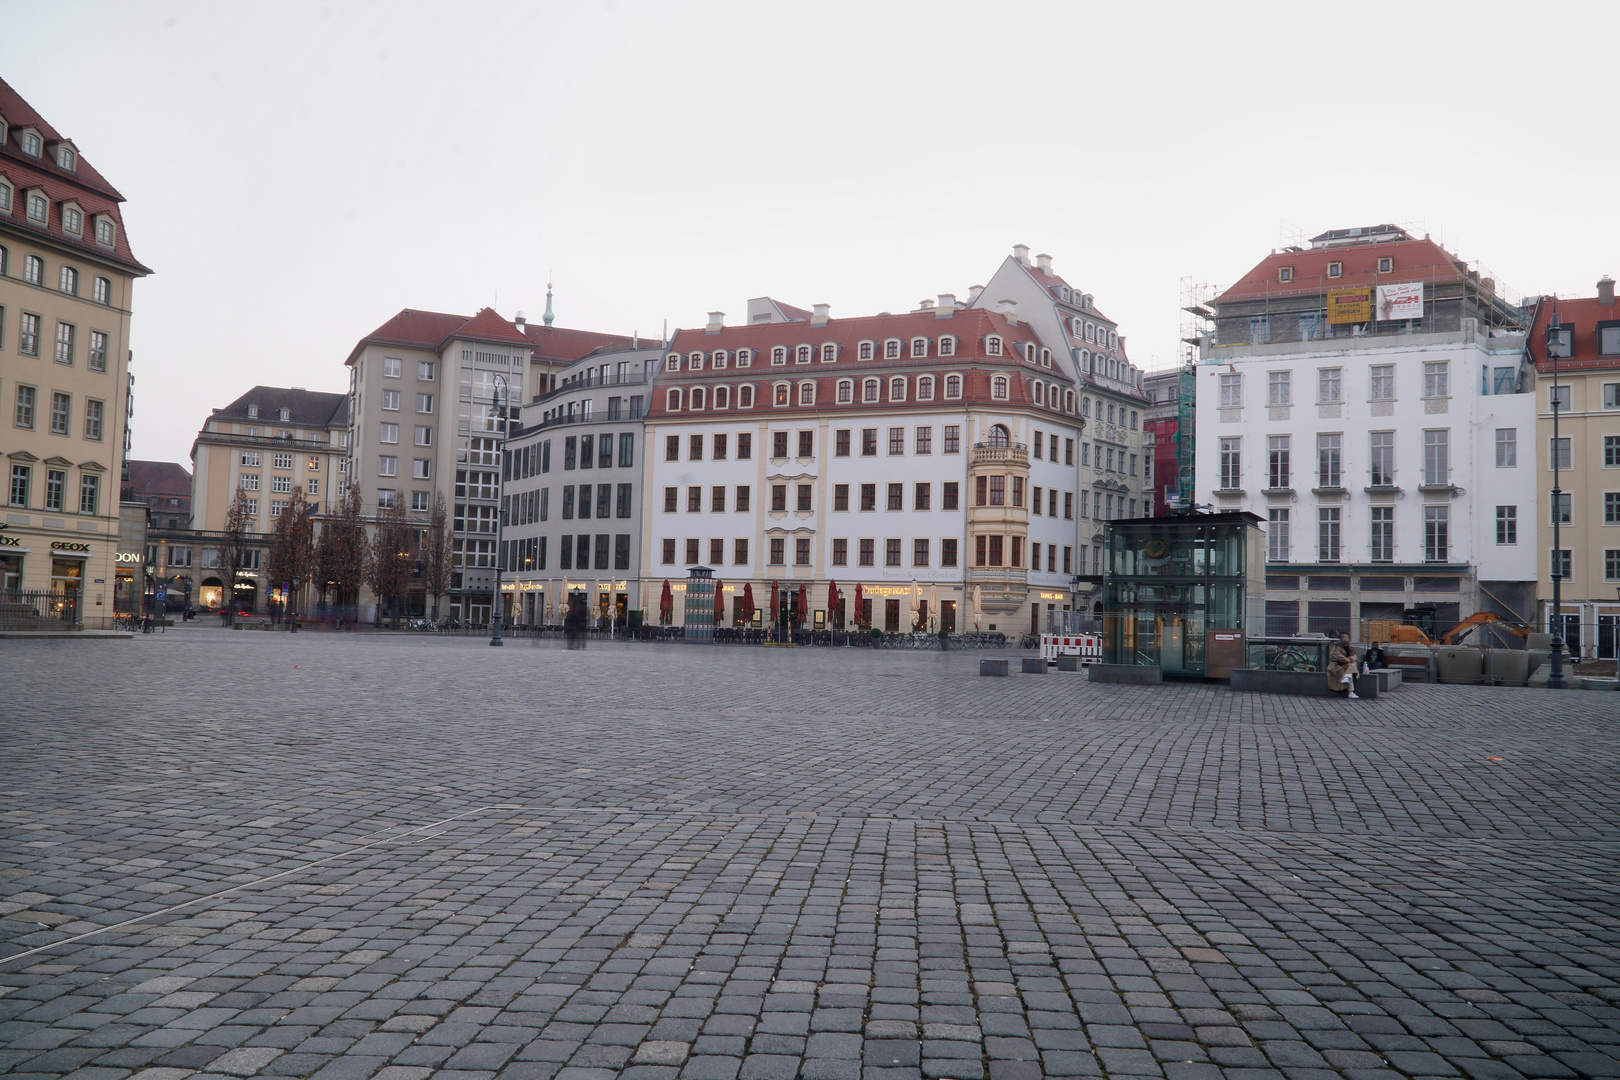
548 316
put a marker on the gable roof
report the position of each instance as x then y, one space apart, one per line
158 478
559 343
1412 260
306 408
1582 314
971 325
431 329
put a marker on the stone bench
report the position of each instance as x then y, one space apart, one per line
1297 683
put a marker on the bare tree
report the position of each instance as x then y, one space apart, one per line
340 557
437 566
388 566
233 550
292 547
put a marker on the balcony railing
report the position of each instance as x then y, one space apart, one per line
587 380
1010 454
994 576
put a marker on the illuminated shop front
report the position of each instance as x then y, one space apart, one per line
1183 593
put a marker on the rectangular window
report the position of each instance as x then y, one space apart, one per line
1018 491
891 552
919 553
604 500
1279 387
1231 463
694 499
19 485
545 456
604 450
1436 378
1611 564
869 442
1381 382
979 550
1611 508
1231 391
1329 385
1560 563
717 499
1437 456
390 400
1382 461
98 351
691 552
1559 508
424 370
996 545
720 448
801 551
1277 536
868 496
28 335
803 504
925 440
424 403
923 497
1328 454
623 509
745 445
739 552
896 497
1558 453
672 450
627 448
249 482
1278 472
717 552
1327 533
1507 525
387 465
64 343
1611 451
998 490
840 552
672 497
897 441
668 552
742 498
953 439
419 468
24 415
1611 391
840 496
1383 534
841 442
947 551
807 444
1068 506
778 551
1436 533
779 498
61 405
779 444
1037 443
55 488
1507 448
89 490
867 552
950 495
1558 398
694 448
1036 499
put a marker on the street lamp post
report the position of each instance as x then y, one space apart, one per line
1556 347
501 387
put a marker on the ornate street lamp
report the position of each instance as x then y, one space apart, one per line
1557 346
501 387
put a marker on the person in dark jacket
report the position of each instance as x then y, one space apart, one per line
1373 658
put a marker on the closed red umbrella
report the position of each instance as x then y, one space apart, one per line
748 602
719 602
832 602
776 603
860 605
804 602
666 604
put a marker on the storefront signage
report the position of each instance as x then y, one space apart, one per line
69 545
1400 301
1349 305
127 557
1054 596
10 541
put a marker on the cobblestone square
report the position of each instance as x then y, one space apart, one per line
231 854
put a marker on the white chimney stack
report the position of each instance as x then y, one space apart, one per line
973 292
947 306
1008 309
818 314
925 304
1021 253
519 321
1044 262
717 322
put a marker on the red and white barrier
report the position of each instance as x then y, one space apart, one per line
1088 647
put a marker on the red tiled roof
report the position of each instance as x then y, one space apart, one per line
1583 314
431 329
561 343
158 477
488 326
84 186
1047 281
1413 260
970 324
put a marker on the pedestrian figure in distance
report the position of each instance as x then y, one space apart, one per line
1373 658
1341 667
574 623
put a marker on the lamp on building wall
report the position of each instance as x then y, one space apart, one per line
500 509
1557 347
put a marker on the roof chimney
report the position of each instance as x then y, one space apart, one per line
1044 262
818 314
925 304
947 306
519 321
1021 253
1606 291
717 322
973 292
1008 309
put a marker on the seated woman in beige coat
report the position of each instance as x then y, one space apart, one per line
1341 667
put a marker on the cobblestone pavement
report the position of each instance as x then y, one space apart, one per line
228 854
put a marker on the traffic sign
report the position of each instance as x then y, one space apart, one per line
162 594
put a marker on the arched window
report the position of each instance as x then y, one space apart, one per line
697 398
925 388
780 394
68 281
891 349
867 350
1040 392
672 362
745 396
1085 361
1110 412
1046 358
998 388
803 356
947 346
992 345
1068 401
897 388
953 386
999 435
1029 352
745 357
779 356
722 397
103 291
717 359
694 361
672 400
1133 419
846 391
1091 332
919 347
869 390
829 353
807 393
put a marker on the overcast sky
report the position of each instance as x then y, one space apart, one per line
297 173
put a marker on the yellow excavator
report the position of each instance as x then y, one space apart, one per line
1417 624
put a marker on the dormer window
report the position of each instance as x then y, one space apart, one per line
998 388
919 347
5 197
105 231
891 349
846 391
802 356
1335 269
1285 273
697 397
718 359
869 390
253 412
72 220
66 158
897 388
284 415
1029 352
1065 294
1386 264
672 362
1046 358
29 141
992 345
866 350
829 353
694 362
925 388
779 356
947 346
745 357
39 208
